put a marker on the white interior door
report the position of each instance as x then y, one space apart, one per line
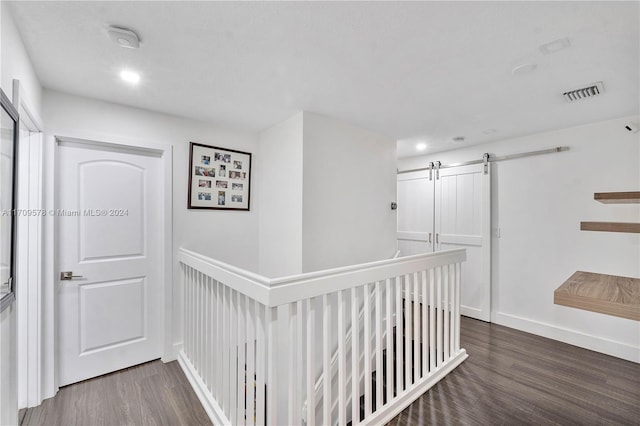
463 220
415 213
109 232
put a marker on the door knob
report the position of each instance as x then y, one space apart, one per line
68 275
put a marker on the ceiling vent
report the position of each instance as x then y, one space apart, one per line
590 91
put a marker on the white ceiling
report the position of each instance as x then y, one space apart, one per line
414 71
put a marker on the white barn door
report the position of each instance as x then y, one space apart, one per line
415 213
463 220
109 236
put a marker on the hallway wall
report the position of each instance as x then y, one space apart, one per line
537 205
229 236
14 64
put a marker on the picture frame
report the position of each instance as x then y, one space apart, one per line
8 176
219 178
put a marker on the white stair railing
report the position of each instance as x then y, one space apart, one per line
254 347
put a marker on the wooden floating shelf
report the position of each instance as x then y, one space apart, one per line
605 294
611 226
628 197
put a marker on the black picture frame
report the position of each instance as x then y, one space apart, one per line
9 150
219 178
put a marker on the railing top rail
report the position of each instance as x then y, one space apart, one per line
277 291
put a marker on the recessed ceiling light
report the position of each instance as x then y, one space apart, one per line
523 69
489 131
130 76
555 46
421 146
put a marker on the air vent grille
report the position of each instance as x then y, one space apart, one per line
590 91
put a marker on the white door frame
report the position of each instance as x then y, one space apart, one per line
50 354
29 254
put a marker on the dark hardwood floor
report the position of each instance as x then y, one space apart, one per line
513 378
148 394
510 378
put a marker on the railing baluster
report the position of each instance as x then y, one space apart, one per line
355 355
233 359
367 350
186 310
439 318
378 351
261 359
311 372
452 319
389 346
432 321
416 329
293 345
206 352
326 360
251 361
399 334
226 360
445 313
219 344
272 359
299 361
457 307
424 343
192 314
241 378
197 333
342 362
407 327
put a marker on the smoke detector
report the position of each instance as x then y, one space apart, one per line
124 37
589 91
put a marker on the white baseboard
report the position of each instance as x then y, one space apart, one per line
576 338
206 399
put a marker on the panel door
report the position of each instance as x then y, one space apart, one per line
415 213
463 220
109 234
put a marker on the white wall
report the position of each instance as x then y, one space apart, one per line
279 166
14 64
227 236
349 184
538 204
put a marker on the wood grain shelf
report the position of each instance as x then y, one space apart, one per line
627 197
611 226
606 294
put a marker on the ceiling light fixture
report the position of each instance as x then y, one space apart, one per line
130 76
523 69
555 46
124 37
458 139
421 146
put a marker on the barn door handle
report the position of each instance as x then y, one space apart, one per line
68 275
429 237
437 238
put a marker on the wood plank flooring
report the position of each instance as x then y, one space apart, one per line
148 394
510 378
513 378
